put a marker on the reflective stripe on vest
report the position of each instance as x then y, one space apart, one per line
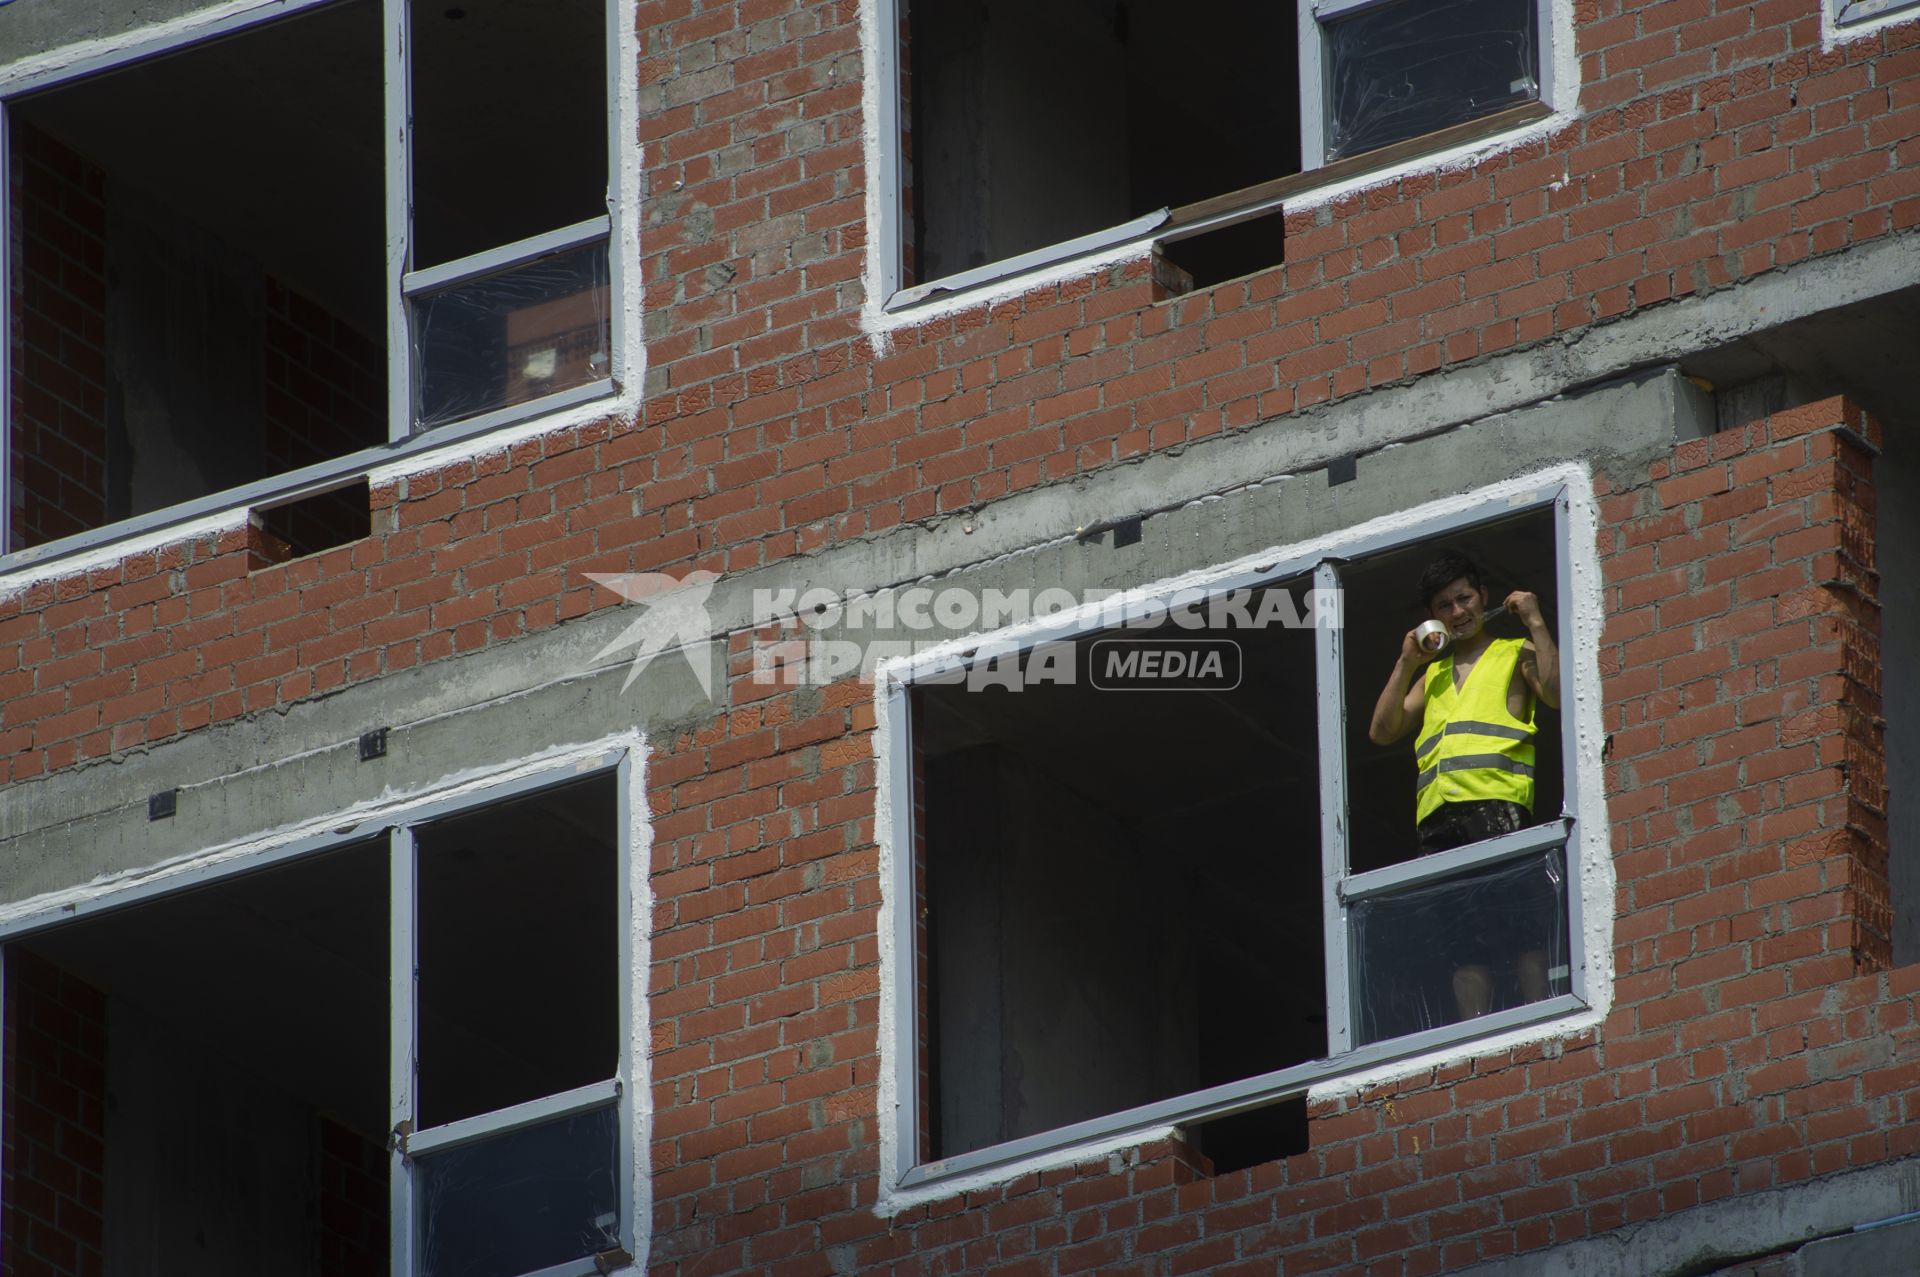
1470 748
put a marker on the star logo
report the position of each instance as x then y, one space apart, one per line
675 620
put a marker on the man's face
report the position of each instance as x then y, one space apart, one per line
1460 607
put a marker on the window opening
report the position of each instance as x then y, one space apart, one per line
1123 889
234 1036
1382 604
197 289
1227 252
1015 145
1136 906
1011 155
202 296
322 521
1259 1135
517 946
509 123
204 1081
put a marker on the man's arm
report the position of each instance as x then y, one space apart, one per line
1540 658
1403 701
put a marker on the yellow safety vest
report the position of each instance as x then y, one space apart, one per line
1470 748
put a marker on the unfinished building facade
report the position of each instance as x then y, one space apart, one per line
738 636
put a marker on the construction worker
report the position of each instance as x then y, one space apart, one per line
1473 701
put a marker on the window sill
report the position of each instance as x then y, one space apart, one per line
1236 1097
1221 210
305 482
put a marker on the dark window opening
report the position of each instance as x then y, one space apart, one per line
1253 1138
199 1084
518 946
201 297
1382 604
1032 122
322 521
1123 889
509 142
198 272
509 122
1120 883
1216 256
203 1082
1402 69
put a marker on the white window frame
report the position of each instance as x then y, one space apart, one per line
404 283
1341 886
407 1142
891 239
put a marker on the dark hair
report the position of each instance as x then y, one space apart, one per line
1444 571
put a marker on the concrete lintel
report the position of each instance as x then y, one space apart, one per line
1754 1224
300 768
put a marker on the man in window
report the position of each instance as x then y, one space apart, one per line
1473 701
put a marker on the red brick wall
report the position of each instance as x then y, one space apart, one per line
1755 1039
353 1204
58 341
56 1111
325 398
326 383
1711 151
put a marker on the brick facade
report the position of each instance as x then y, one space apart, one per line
1757 1038
54 1164
1760 1036
58 341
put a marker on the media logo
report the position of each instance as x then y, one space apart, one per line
1164 665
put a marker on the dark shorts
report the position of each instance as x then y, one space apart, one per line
1457 824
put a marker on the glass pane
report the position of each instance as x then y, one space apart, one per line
522 1201
1399 70
1444 952
518 951
510 337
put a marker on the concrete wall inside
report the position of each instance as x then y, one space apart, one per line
42 26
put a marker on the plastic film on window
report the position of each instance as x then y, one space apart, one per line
1443 952
1397 71
520 1202
511 337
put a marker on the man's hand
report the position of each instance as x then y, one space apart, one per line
1540 659
1525 604
1414 655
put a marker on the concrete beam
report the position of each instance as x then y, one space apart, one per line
1755 1224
